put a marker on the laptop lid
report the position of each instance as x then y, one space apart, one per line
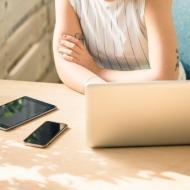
138 114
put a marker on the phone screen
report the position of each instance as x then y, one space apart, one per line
21 110
44 134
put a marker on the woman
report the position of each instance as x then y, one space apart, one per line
99 41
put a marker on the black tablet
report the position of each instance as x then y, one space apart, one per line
22 110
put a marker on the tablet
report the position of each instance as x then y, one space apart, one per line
22 110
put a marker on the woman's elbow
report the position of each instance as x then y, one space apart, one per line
166 75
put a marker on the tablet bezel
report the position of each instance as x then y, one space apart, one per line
50 107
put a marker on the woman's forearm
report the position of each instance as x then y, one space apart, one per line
135 76
73 75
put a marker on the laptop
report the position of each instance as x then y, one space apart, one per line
138 114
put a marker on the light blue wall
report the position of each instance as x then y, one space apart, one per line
181 15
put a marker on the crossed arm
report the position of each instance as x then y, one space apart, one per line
75 65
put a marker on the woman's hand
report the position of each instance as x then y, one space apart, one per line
73 50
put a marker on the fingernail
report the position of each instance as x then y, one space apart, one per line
65 36
59 41
57 48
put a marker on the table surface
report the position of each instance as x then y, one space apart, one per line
68 163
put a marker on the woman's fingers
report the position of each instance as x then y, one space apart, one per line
78 42
71 49
72 43
69 45
68 52
70 58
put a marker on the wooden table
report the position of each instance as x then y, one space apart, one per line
69 164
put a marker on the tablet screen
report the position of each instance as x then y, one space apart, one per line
21 110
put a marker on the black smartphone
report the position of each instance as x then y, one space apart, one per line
22 110
45 134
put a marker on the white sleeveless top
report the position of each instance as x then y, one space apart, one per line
115 33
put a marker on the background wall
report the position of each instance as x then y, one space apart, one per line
26 32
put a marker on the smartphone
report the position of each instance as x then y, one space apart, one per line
45 134
22 110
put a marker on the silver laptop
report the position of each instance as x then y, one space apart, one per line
138 114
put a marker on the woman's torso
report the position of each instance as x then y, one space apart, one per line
114 36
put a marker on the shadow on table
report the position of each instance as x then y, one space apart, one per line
62 167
